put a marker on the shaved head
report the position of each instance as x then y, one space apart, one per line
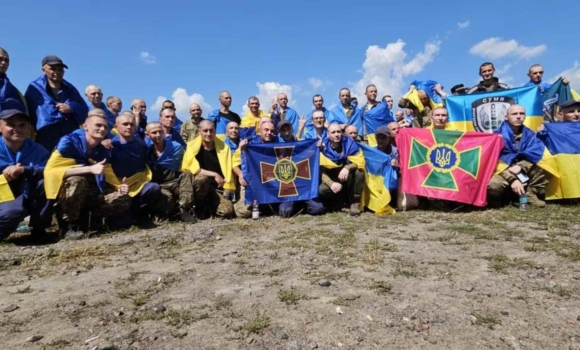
206 123
151 126
97 113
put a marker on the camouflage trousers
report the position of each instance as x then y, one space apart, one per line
177 193
242 210
79 194
195 190
498 186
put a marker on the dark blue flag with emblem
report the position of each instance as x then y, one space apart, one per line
557 94
282 172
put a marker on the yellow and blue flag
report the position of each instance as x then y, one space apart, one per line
561 139
554 96
380 178
485 111
282 172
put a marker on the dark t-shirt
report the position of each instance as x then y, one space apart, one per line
160 174
208 160
232 117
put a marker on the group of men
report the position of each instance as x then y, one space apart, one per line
119 168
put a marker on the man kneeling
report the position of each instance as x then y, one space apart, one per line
75 177
521 154
209 160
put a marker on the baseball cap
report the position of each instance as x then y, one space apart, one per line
569 103
459 88
281 123
9 113
383 130
53 60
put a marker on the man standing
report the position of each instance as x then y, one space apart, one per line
346 113
95 97
139 109
352 132
129 163
222 116
114 106
56 107
164 159
178 123
76 177
535 73
375 113
318 130
22 162
283 112
10 97
209 160
250 123
341 167
167 120
389 101
521 154
190 129
489 82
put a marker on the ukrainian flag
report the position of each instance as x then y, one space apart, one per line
429 87
561 139
486 111
380 178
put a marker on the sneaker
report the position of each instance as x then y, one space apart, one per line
187 217
534 201
354 209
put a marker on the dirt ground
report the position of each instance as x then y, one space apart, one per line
414 280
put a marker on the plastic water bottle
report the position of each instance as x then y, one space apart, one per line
255 210
523 202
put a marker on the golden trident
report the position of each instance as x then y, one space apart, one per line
285 171
442 158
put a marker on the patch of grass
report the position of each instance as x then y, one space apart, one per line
499 262
141 299
179 318
344 240
289 297
24 290
562 291
240 261
256 324
486 319
381 287
408 273
56 344
221 302
373 253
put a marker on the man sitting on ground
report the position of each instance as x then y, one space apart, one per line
209 160
520 156
75 177
342 166
129 162
22 162
164 159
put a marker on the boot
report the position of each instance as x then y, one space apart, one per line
187 216
534 201
354 209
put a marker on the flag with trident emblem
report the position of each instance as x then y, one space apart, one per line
449 165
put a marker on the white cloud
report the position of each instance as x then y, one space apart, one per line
463 25
497 47
572 74
182 102
388 67
147 58
269 91
315 82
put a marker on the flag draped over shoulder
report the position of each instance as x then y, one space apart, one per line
530 148
70 152
250 124
10 97
380 178
282 172
224 154
449 165
351 153
485 111
557 94
373 119
561 139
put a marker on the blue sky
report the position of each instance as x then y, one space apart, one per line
301 47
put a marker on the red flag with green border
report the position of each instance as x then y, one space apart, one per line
449 165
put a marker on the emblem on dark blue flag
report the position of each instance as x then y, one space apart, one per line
285 171
488 113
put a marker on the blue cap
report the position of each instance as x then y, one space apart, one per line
9 113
